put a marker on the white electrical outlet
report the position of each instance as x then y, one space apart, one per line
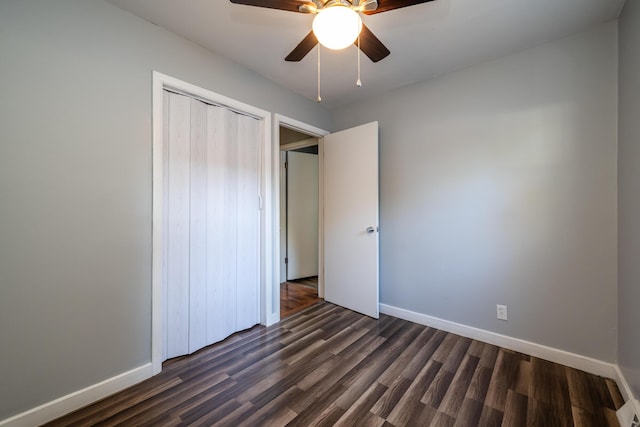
502 312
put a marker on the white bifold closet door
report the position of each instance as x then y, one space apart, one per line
211 223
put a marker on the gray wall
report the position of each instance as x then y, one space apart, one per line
75 187
629 196
498 186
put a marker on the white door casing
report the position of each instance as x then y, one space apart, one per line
351 219
273 290
283 216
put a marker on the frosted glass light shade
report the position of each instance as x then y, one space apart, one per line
337 27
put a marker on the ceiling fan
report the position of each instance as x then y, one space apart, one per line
368 43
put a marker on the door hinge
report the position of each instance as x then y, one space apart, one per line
286 165
260 202
286 260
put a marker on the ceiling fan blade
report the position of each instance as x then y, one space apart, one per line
303 48
371 46
387 5
290 5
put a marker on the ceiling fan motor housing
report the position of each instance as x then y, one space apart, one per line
314 6
368 43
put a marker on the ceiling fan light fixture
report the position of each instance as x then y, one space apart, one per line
337 27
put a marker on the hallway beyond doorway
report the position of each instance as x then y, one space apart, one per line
296 295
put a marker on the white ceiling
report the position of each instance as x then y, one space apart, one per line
425 40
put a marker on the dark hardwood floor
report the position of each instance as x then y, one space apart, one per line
296 295
307 281
330 366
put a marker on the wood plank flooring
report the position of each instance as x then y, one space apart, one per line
330 366
296 295
307 281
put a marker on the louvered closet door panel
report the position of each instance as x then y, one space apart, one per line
216 171
198 229
248 221
230 225
178 226
165 216
212 223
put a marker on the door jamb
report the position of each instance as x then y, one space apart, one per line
287 122
299 144
285 148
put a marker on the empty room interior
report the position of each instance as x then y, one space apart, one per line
212 215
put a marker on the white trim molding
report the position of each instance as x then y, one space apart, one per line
627 394
297 125
566 358
625 389
76 400
299 144
287 122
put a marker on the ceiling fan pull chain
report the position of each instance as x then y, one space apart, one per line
359 82
319 98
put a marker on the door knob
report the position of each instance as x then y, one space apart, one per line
370 230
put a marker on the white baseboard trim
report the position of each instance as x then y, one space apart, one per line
573 360
628 415
76 400
625 390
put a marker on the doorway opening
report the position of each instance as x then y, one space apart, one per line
348 244
299 220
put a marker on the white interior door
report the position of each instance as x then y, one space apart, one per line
351 219
302 215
